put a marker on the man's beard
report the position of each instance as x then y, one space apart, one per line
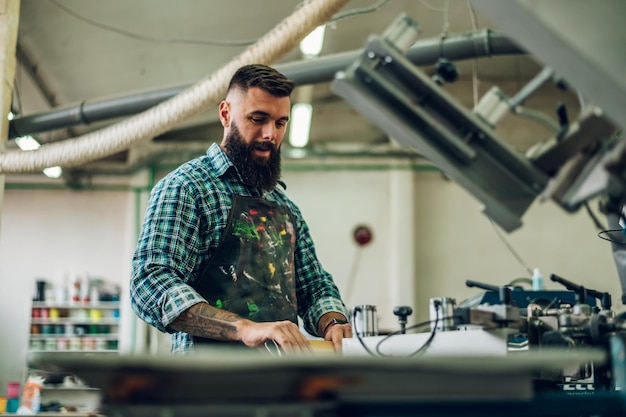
259 173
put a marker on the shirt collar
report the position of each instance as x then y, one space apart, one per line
219 159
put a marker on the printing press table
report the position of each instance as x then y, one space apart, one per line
220 383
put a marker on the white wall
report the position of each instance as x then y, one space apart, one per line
48 234
334 202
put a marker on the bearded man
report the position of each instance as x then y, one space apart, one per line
224 256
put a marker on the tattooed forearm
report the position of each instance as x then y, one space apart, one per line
207 321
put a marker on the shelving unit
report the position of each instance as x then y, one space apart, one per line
75 327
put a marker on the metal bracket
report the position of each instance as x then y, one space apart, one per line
384 86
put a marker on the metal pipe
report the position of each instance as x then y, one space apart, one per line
426 52
529 89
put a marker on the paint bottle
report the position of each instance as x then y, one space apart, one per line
74 291
537 280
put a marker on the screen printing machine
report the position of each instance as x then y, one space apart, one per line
506 351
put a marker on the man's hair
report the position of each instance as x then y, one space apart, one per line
263 77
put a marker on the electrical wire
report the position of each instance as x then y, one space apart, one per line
225 43
537 116
431 7
605 233
446 18
610 239
358 336
421 349
424 346
594 218
475 81
354 12
510 248
544 306
145 38
352 274
520 280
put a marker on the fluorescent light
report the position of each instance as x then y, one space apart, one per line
312 45
300 124
27 143
53 172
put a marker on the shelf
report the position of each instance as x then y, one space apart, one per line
61 387
55 351
74 327
76 305
58 414
113 321
106 336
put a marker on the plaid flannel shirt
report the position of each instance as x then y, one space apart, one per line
186 216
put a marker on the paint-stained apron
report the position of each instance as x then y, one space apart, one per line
252 271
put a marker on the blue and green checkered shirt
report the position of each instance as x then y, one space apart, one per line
186 216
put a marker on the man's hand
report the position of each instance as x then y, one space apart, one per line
207 321
334 332
286 334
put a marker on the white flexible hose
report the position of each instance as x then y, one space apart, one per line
164 116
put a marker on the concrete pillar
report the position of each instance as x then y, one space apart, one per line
402 234
9 18
11 369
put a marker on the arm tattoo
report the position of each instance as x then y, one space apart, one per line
207 321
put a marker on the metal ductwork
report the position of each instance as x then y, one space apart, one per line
452 47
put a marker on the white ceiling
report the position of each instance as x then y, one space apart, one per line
75 50
90 48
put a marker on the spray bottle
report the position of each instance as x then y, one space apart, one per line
537 280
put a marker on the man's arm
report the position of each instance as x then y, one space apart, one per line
204 320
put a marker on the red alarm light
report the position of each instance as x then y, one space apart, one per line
362 235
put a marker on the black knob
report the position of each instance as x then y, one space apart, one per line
446 72
402 312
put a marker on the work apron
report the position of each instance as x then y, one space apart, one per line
252 272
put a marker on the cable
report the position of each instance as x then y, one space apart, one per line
354 12
140 37
510 248
594 218
424 346
431 7
520 280
537 300
358 336
446 18
604 232
226 43
475 81
378 353
352 274
537 116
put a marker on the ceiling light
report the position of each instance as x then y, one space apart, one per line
27 143
300 124
53 172
311 46
302 110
